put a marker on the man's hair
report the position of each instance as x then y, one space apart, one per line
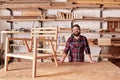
76 25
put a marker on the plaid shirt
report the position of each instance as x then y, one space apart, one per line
76 48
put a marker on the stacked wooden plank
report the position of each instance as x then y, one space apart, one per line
37 13
24 4
22 17
26 1
64 30
96 1
63 15
104 41
113 24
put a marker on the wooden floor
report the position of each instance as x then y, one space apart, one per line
66 71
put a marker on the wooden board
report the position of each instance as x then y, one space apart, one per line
95 1
31 13
104 41
66 71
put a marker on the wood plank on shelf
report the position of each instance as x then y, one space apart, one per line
87 6
64 19
24 6
64 30
5 17
61 3
97 2
107 55
53 5
31 12
111 6
26 1
46 5
90 18
116 43
112 19
36 18
17 20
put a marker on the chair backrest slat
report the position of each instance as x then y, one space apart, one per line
46 32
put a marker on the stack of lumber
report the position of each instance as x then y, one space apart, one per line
95 1
26 1
63 15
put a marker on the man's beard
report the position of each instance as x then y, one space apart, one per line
76 34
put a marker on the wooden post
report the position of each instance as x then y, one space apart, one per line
6 52
34 57
53 52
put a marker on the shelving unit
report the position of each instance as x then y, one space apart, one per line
44 5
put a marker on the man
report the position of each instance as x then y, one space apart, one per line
75 46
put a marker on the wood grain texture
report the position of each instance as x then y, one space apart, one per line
66 71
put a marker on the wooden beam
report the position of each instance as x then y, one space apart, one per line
88 6
46 6
112 19
96 2
18 6
111 6
26 1
107 55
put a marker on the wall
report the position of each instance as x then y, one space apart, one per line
94 25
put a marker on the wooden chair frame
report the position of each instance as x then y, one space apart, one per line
50 36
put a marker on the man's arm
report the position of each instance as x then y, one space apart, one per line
66 50
63 57
90 58
87 50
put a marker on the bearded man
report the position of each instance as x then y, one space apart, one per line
76 45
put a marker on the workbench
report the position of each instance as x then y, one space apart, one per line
65 71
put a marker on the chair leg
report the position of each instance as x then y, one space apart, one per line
34 68
6 64
6 57
55 59
54 53
34 62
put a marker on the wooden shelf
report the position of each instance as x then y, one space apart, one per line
33 4
17 20
20 17
24 6
24 1
112 19
87 6
106 55
37 18
90 18
64 19
102 2
109 6
64 30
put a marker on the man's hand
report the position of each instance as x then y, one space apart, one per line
92 61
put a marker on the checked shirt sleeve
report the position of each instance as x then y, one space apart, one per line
87 48
67 46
